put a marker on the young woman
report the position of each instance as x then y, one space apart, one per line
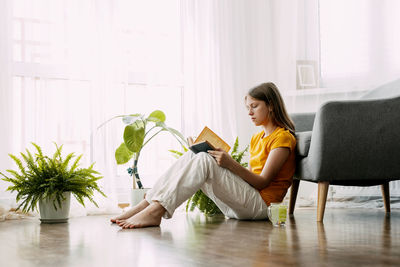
240 193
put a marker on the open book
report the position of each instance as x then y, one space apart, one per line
208 140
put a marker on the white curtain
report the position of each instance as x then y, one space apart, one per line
231 46
360 48
68 66
6 116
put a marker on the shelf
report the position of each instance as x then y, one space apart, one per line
323 91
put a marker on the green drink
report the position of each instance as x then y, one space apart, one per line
277 214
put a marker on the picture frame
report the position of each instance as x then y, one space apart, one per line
307 76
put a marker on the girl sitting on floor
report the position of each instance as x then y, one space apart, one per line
238 192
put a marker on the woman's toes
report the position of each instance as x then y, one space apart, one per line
126 225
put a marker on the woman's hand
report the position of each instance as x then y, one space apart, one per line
223 159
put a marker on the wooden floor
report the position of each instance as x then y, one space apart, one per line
349 237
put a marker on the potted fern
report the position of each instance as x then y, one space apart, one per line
138 132
49 182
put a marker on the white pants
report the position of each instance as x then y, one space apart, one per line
233 196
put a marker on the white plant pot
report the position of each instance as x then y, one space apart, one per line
137 195
48 214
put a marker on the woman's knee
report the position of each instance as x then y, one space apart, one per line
188 155
203 156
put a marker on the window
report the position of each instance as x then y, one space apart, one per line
77 63
358 42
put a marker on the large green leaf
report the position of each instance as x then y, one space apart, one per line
156 116
123 154
134 137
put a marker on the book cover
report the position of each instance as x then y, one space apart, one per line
203 146
208 140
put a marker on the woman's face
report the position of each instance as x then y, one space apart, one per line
258 111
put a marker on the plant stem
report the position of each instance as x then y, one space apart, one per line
149 130
135 172
152 137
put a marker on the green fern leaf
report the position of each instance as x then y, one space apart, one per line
235 146
19 163
39 150
75 164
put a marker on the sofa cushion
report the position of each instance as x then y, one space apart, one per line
303 143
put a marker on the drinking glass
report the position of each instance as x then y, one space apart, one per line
277 214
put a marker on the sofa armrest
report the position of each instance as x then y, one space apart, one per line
354 140
303 143
303 122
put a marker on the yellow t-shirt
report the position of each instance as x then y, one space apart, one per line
259 151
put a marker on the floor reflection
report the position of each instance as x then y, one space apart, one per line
386 236
346 238
322 241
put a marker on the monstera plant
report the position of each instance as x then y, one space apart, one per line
138 132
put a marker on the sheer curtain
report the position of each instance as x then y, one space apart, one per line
6 117
229 47
68 66
360 49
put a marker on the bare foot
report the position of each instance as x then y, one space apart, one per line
150 216
129 213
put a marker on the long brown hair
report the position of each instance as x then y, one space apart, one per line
269 93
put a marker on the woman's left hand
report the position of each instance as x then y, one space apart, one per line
223 159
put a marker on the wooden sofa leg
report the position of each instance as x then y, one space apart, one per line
386 196
322 193
293 195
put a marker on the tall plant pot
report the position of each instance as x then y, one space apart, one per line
137 195
48 214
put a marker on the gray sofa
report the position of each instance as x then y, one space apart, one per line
354 143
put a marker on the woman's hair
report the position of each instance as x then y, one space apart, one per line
269 93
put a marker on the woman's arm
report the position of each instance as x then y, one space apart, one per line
276 158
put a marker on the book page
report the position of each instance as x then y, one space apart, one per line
208 135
